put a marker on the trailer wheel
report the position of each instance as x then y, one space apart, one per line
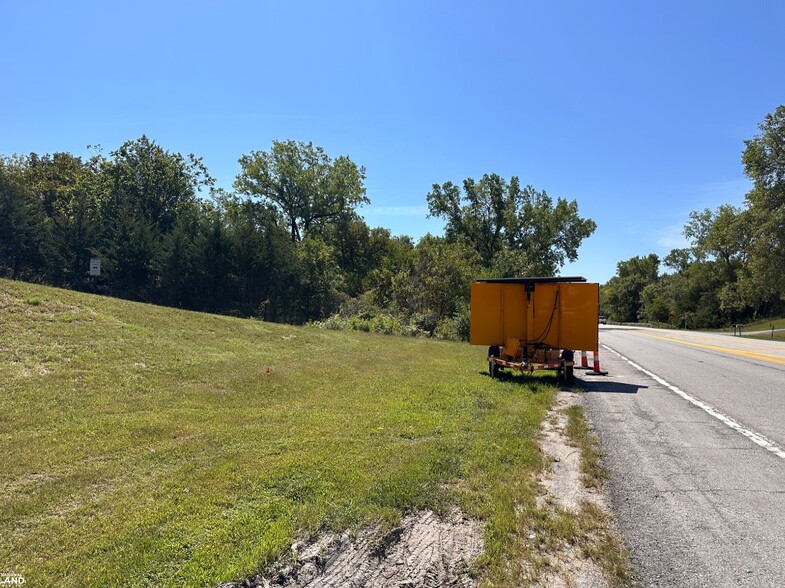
567 355
493 369
566 372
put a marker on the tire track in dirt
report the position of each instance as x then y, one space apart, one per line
424 550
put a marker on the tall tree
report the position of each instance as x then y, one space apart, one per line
482 213
303 183
214 261
389 284
154 181
317 293
441 277
142 188
263 260
764 164
65 186
25 241
723 234
176 260
516 231
622 295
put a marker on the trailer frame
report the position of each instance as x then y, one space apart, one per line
518 353
534 323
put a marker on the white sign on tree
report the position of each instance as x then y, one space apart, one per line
95 266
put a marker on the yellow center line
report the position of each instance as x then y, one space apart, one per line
778 359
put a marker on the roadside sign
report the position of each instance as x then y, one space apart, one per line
95 266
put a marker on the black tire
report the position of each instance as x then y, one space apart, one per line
567 355
568 373
493 369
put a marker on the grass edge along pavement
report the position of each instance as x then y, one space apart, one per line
146 446
597 536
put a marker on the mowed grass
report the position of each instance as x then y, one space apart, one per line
146 446
777 336
766 325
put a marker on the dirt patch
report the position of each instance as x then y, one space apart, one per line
424 550
564 489
564 481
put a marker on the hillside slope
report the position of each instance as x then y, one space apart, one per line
147 446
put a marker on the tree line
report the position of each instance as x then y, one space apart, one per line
734 268
287 244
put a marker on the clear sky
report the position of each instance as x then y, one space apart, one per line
636 109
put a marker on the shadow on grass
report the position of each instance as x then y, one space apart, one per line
548 378
539 378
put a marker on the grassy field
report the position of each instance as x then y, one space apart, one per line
146 446
767 326
776 336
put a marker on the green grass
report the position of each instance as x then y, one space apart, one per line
766 325
777 336
145 446
594 474
762 325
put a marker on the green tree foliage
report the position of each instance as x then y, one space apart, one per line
304 184
25 239
217 291
734 269
426 285
690 298
177 260
65 187
440 278
262 261
516 231
358 250
319 282
622 296
764 164
679 259
142 188
388 284
723 235
289 246
697 295
152 182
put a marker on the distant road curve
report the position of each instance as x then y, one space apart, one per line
761 349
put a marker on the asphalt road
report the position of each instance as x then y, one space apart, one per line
695 445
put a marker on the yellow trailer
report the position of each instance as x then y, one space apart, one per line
535 323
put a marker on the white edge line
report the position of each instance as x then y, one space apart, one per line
751 435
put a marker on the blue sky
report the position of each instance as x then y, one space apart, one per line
637 110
